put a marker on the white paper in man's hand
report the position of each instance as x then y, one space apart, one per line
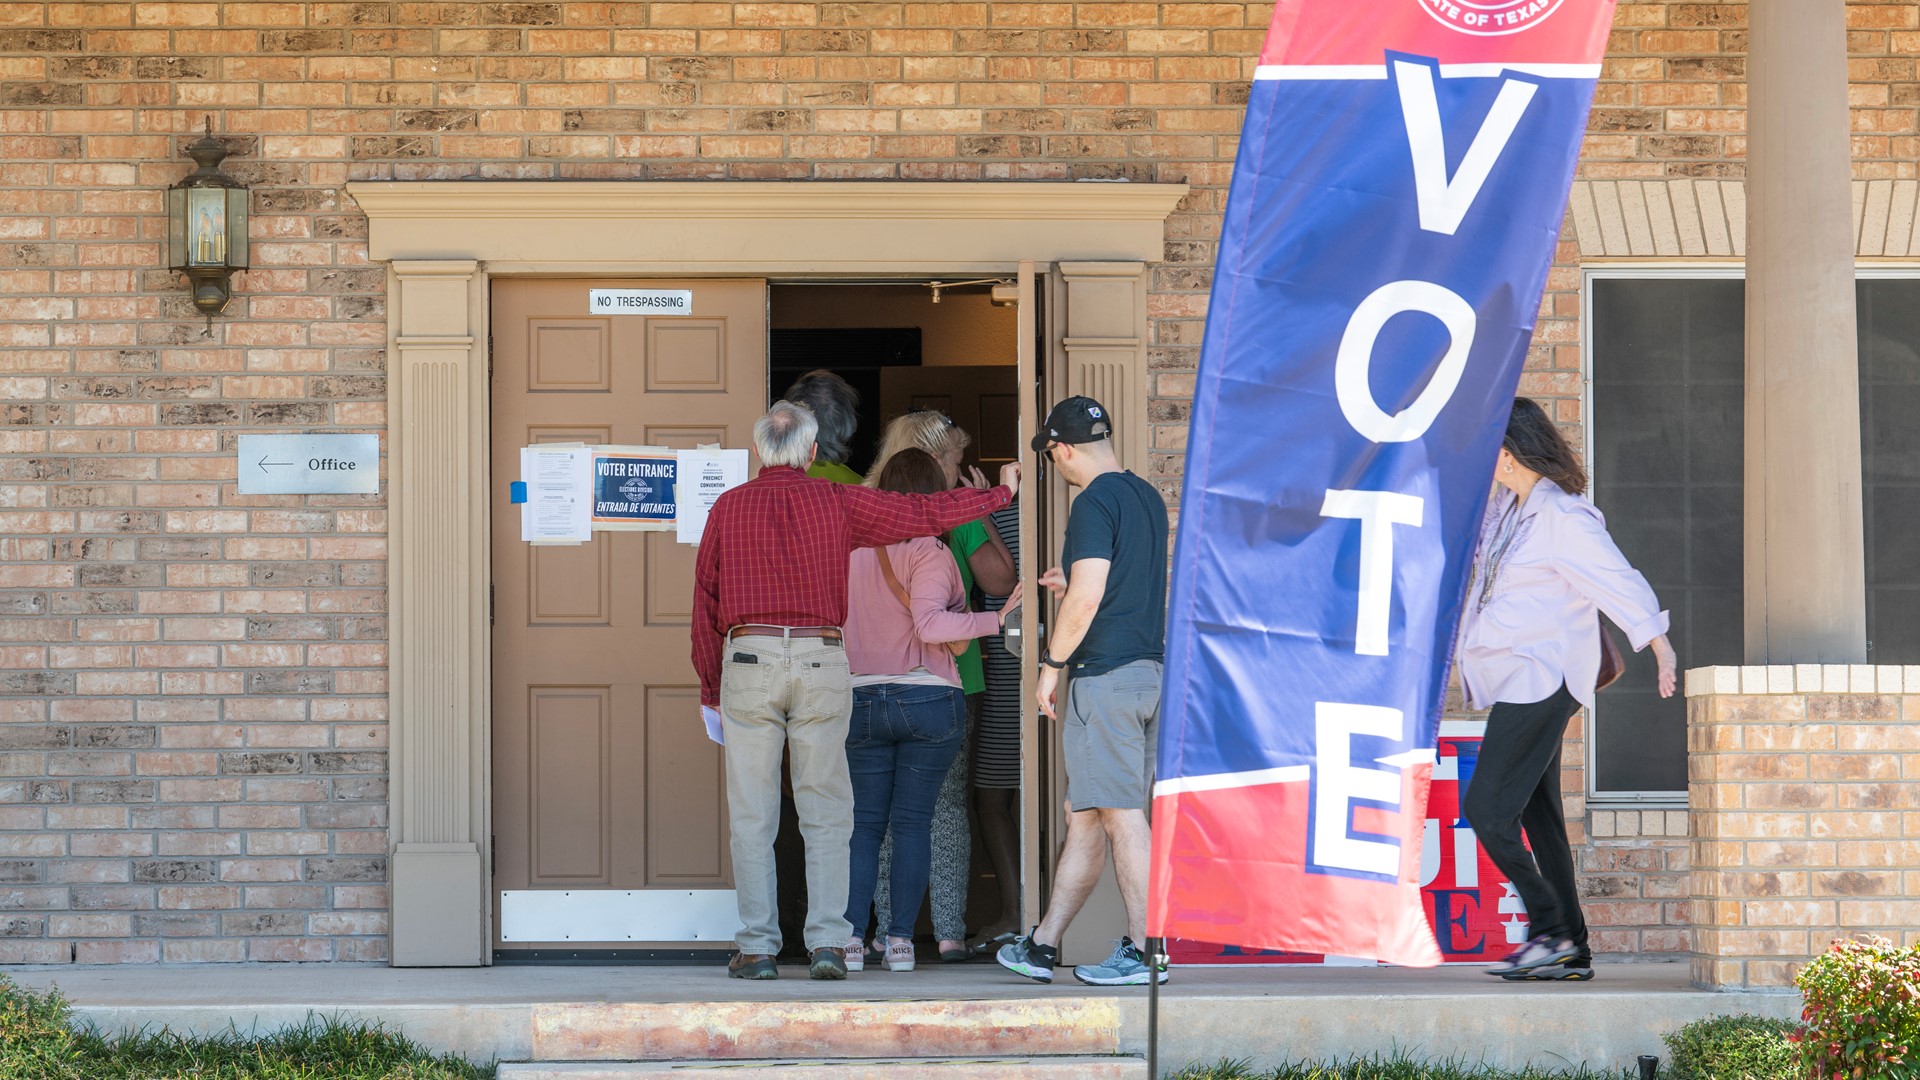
712 717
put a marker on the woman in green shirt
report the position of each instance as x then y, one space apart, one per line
984 562
836 406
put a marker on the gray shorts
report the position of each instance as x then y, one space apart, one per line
1112 730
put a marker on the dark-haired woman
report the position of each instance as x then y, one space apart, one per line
1530 649
905 605
835 404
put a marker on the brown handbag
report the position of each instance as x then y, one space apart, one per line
900 594
1612 663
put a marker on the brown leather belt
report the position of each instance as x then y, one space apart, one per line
829 634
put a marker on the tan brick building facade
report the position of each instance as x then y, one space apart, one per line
193 752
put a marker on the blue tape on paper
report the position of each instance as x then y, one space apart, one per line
517 491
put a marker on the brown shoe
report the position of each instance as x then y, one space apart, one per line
828 963
752 966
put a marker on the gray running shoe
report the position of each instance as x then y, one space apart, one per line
1126 967
1023 957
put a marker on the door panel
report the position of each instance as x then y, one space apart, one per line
978 399
602 774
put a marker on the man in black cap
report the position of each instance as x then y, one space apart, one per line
1110 629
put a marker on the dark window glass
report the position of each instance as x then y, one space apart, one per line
1668 417
1666 466
1890 458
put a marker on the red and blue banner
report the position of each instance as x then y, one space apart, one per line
1474 911
1401 181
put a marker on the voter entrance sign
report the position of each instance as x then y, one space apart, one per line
634 488
1401 181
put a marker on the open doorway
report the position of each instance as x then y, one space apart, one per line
949 345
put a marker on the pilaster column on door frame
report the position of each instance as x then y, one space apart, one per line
437 453
1105 345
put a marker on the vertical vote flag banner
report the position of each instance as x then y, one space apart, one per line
1401 181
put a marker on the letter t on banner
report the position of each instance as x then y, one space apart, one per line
1401 181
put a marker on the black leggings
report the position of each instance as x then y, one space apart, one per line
1515 786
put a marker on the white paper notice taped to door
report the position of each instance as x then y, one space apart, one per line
704 476
639 302
559 494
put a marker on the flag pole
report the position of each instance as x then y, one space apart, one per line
1156 959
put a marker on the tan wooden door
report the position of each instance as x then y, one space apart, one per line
605 788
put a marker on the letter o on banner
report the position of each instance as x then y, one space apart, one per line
1356 356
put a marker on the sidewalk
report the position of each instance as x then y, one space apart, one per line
515 1013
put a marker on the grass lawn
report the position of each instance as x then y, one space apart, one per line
37 1042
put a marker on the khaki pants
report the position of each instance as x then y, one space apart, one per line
794 695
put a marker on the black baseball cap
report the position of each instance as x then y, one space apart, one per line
1074 420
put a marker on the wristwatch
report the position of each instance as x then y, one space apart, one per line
1047 660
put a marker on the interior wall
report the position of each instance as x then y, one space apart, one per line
964 328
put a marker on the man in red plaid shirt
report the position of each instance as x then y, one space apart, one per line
769 597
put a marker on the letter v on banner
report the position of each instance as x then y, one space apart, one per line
1407 165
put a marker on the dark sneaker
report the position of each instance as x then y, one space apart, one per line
1024 957
752 966
1126 967
1542 951
828 963
1574 969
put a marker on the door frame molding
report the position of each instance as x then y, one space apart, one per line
444 240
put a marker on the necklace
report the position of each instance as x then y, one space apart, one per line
1505 532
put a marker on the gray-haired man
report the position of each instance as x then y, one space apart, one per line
769 597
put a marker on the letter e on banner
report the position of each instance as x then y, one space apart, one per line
1338 784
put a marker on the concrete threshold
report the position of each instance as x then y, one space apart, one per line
610 1014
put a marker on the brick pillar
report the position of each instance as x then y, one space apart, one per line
1802 797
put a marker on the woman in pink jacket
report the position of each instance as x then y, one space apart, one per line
1530 648
905 605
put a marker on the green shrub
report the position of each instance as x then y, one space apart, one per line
39 1042
1735 1048
1862 1011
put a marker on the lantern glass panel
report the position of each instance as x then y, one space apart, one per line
176 227
206 226
237 228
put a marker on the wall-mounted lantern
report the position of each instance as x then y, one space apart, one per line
207 225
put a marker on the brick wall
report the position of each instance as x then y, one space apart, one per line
191 759
1801 786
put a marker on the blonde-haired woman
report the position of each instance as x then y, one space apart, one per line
985 561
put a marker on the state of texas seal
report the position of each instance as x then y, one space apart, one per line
1489 18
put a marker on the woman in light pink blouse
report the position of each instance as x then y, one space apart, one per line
1530 650
909 713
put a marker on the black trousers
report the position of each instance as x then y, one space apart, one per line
1516 787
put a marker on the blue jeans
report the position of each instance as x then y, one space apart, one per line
900 744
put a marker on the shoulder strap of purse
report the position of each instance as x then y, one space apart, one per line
893 579
900 594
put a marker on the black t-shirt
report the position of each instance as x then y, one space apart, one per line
1121 518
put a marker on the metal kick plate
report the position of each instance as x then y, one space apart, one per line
618 915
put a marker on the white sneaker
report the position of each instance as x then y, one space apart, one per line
899 955
856 955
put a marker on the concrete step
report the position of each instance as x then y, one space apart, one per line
774 1030
1004 1068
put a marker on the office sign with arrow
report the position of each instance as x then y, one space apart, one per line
309 464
